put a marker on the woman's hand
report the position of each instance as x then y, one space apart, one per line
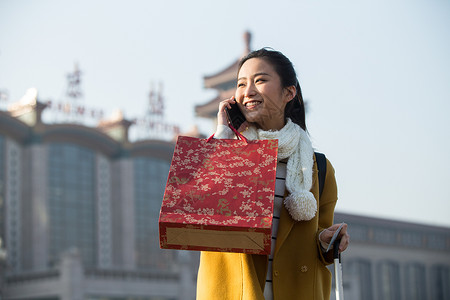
326 235
222 118
222 114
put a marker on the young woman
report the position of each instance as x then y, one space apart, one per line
269 96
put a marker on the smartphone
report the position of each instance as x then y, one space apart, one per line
235 116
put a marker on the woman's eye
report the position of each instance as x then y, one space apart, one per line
260 80
240 85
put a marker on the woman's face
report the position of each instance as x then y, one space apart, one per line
260 95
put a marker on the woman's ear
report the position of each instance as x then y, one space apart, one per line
290 93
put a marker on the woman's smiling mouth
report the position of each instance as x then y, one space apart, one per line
252 104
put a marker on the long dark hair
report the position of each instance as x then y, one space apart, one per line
295 109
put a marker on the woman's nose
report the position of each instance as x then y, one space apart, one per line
249 90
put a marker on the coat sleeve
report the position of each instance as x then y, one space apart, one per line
327 203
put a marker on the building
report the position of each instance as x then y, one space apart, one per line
224 82
389 259
79 210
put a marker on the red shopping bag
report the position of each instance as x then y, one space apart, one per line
219 195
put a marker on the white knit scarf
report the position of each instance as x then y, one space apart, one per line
295 145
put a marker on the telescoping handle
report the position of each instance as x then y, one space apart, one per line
338 271
336 254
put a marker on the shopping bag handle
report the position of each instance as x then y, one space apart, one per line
238 134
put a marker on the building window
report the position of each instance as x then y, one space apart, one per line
437 242
415 282
389 281
360 232
71 201
360 271
440 278
412 239
150 176
386 236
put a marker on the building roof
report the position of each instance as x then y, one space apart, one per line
24 125
209 109
228 74
13 127
224 82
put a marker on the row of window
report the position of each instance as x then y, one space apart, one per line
391 236
2 190
150 176
71 171
72 204
389 280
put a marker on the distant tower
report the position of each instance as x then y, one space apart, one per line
70 108
224 82
152 124
247 40
156 101
74 84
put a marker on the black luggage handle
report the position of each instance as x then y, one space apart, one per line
336 253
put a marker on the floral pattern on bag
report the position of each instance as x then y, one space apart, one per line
219 182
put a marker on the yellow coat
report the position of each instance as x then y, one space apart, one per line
299 268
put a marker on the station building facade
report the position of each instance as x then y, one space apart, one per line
79 211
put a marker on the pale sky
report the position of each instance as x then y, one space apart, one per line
376 75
